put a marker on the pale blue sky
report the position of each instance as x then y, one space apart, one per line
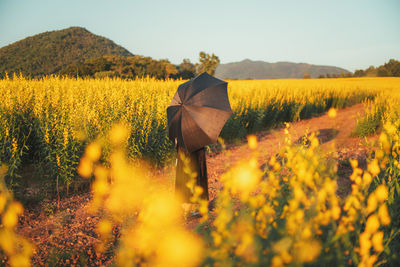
351 34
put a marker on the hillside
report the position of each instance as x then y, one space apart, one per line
248 69
49 52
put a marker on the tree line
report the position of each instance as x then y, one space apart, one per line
389 69
139 66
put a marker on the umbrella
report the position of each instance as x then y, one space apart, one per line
198 112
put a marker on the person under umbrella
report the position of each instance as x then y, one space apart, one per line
196 115
196 161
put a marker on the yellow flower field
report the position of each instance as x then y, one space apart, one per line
50 120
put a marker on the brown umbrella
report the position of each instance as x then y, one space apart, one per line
198 112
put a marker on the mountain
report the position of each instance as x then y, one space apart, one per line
248 69
49 52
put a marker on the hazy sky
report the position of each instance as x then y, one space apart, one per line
351 34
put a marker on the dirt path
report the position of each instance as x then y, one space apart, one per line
334 135
70 232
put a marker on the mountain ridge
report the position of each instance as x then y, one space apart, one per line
258 69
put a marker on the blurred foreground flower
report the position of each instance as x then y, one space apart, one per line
17 249
332 113
152 231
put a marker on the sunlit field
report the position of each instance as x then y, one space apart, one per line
286 214
50 121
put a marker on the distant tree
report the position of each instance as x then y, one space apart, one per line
371 72
75 70
70 71
396 70
345 74
306 75
321 76
208 63
359 73
99 64
383 72
155 69
186 70
168 68
392 67
328 75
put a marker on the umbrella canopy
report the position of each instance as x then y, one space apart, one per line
198 112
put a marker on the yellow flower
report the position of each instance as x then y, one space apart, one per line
10 217
314 142
307 251
282 245
58 160
65 136
371 260
354 163
384 214
252 141
336 212
306 234
119 134
383 139
104 227
381 193
390 128
245 247
216 238
372 224
277 261
367 178
373 167
299 215
379 154
14 146
85 167
286 257
46 137
245 179
365 243
372 203
179 248
93 151
377 241
332 113
161 211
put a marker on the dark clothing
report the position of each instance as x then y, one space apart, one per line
197 164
